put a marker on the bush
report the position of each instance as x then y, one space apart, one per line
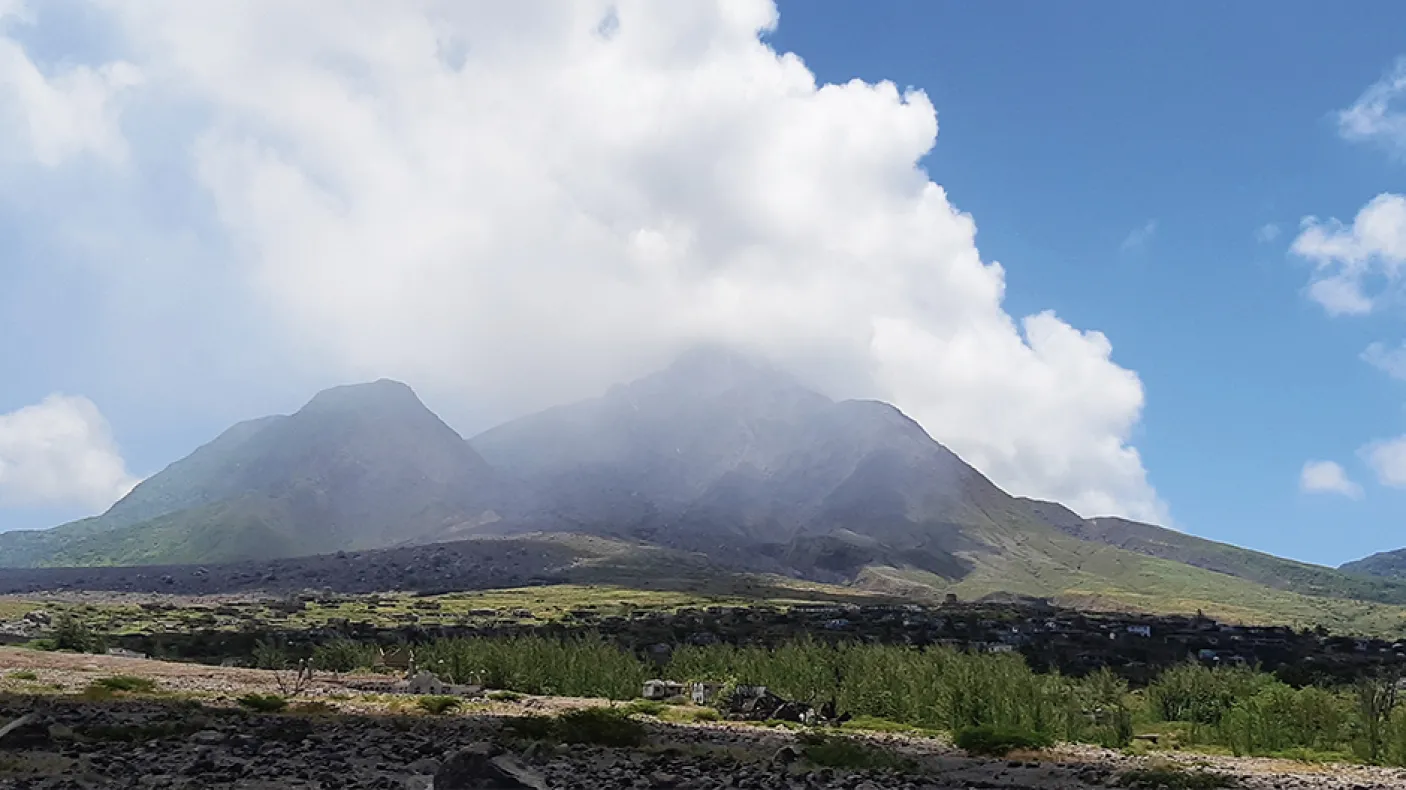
829 751
438 706
263 703
600 726
998 742
343 655
537 665
23 674
73 634
504 696
648 707
126 683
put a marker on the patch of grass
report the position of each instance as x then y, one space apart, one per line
876 724
998 741
312 707
126 683
22 674
263 703
600 726
533 728
1165 778
438 706
647 707
504 696
835 751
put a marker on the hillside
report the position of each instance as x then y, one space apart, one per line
1254 566
1382 565
363 466
719 459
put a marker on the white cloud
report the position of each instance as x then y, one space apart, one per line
1267 233
60 452
1378 115
71 111
1391 361
1327 477
1139 237
1356 265
516 204
1388 459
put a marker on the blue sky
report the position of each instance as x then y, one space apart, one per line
1065 132
1121 163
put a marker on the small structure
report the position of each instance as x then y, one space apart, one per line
425 683
705 693
661 689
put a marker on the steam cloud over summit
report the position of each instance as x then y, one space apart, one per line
516 204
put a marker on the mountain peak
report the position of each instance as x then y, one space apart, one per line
710 370
378 395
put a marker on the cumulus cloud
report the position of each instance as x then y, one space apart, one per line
1140 236
1379 114
1391 361
1327 477
1388 460
55 116
1357 265
60 452
520 203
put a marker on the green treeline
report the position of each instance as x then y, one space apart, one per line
1240 710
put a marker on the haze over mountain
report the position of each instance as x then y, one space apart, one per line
720 456
363 466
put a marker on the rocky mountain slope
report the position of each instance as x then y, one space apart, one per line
364 466
720 457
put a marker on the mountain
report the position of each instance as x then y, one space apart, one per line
1385 564
731 457
1255 566
362 466
719 457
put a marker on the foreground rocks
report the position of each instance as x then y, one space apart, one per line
71 744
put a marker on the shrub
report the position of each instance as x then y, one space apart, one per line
343 655
587 667
998 742
648 707
73 634
126 683
438 706
23 674
600 726
263 703
504 696
829 751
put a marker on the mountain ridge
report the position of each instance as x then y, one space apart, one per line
718 455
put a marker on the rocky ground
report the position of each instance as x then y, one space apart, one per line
193 737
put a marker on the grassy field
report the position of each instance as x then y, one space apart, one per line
1088 576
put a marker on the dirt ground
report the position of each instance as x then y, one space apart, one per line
377 740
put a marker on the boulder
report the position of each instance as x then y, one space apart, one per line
481 766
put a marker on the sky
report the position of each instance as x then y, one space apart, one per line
1144 260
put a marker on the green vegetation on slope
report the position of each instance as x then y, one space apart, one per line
892 687
1386 564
